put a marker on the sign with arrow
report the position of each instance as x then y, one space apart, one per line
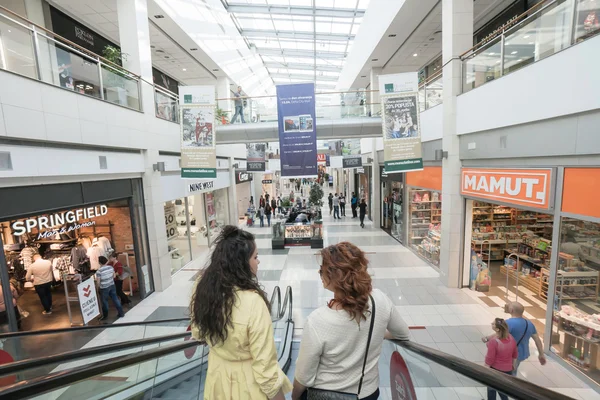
88 300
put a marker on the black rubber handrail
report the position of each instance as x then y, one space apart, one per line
57 380
508 384
87 328
32 363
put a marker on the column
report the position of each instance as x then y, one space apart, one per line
374 95
457 37
224 92
134 37
376 192
35 11
234 218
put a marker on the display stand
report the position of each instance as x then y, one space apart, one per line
77 279
130 278
518 265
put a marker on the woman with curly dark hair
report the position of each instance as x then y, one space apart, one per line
231 313
336 353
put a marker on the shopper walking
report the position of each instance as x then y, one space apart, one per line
40 273
105 276
279 210
336 207
522 330
354 204
242 362
341 342
121 275
343 204
274 205
501 353
261 216
239 105
268 211
362 207
330 201
261 201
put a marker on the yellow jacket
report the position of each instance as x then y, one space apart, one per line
245 366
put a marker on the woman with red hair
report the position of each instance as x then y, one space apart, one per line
341 342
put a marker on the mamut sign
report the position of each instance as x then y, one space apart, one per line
525 187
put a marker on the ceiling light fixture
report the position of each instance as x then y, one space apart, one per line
194 49
415 55
375 59
216 69
159 16
491 54
363 76
514 52
526 36
184 69
392 35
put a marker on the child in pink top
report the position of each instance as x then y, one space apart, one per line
501 354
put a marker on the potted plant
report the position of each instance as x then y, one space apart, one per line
221 116
315 198
114 80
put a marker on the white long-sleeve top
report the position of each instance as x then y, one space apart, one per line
333 347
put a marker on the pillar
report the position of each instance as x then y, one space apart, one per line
373 97
134 37
35 11
224 89
457 37
234 218
376 192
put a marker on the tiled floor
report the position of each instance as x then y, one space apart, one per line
455 319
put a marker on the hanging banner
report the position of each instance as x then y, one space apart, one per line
401 126
255 156
350 150
198 151
352 162
297 130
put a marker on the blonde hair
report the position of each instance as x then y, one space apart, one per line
502 327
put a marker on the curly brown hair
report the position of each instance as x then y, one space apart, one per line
344 270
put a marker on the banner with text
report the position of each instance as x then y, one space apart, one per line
198 151
401 126
297 129
255 156
88 300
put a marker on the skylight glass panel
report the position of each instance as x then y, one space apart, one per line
325 3
305 3
302 26
282 25
340 28
363 4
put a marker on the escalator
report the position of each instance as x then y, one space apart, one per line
144 360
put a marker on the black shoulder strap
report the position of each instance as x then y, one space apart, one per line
525 332
368 344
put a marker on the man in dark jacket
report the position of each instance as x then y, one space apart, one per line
330 200
354 204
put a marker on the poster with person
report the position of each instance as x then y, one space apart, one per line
255 156
400 122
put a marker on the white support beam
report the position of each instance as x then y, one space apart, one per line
295 10
323 55
260 33
306 67
306 77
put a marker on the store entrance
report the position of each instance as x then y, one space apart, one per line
510 257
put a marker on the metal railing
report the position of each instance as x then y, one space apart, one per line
35 52
431 92
166 104
542 31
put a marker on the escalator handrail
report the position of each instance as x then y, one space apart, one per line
286 307
276 293
57 380
31 363
508 384
88 327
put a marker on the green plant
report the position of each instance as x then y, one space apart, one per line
221 116
111 76
285 202
315 197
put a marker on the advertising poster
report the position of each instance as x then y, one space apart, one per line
350 150
210 210
297 130
88 300
400 381
198 142
400 123
171 221
255 154
481 277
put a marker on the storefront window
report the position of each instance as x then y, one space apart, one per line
425 223
576 322
178 236
217 212
588 19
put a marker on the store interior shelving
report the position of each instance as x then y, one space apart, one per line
425 223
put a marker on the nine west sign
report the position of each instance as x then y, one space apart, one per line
525 187
200 186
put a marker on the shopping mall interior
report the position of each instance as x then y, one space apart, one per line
454 142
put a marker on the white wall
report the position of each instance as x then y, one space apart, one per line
432 123
562 84
174 187
37 111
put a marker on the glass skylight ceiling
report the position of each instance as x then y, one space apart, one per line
300 40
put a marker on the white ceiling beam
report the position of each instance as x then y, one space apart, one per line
324 55
260 33
294 10
307 77
307 67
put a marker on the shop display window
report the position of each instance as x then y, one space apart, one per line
177 233
588 19
217 212
576 316
425 223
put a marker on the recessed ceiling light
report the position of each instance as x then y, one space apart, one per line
526 36
194 49
363 76
514 52
152 46
160 51
519 60
392 35
415 55
184 69
431 39
167 57
159 16
375 59
216 69
498 62
530 43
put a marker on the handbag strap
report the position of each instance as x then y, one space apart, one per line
524 333
368 343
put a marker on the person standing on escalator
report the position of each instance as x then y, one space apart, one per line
231 313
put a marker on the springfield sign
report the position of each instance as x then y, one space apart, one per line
88 300
67 221
525 187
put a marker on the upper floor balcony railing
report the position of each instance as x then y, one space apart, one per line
430 92
30 50
167 104
542 31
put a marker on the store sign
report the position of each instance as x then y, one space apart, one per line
400 381
525 187
198 142
352 162
267 181
321 157
242 176
61 219
360 170
171 221
88 300
200 186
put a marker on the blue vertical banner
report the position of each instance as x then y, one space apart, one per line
297 129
